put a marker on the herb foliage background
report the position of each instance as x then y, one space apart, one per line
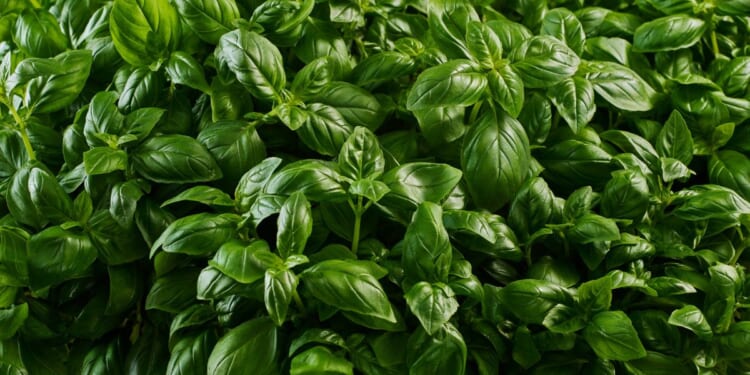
374 187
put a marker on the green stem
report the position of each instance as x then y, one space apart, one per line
298 302
358 211
474 113
22 129
715 44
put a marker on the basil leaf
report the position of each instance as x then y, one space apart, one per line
142 31
255 61
494 177
251 346
175 159
427 250
295 225
432 304
574 100
620 86
349 286
457 82
543 61
611 335
209 19
668 33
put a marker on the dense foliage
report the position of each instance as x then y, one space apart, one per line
375 187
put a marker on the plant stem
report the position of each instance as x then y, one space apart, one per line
358 211
715 44
22 130
474 113
298 302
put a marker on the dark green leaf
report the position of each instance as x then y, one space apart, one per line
143 31
255 61
319 360
611 335
543 61
350 286
668 33
495 159
432 304
252 346
175 159
457 82
295 225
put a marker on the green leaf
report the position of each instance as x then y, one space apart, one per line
174 291
562 24
530 300
12 319
379 68
596 295
350 286
202 194
183 69
360 156
591 228
484 45
543 61
242 262
295 225
691 318
319 360
37 33
13 258
372 190
316 179
626 195
175 159
611 335
669 33
433 304
143 31
209 19
444 352
53 89
253 181
574 100
525 352
56 255
448 21
250 347
198 234
123 201
531 209
34 197
357 106
675 140
656 363
469 222
325 130
414 183
457 82
729 168
506 88
620 86
235 146
427 253
280 285
189 355
103 160
495 159
571 164
712 204
255 61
